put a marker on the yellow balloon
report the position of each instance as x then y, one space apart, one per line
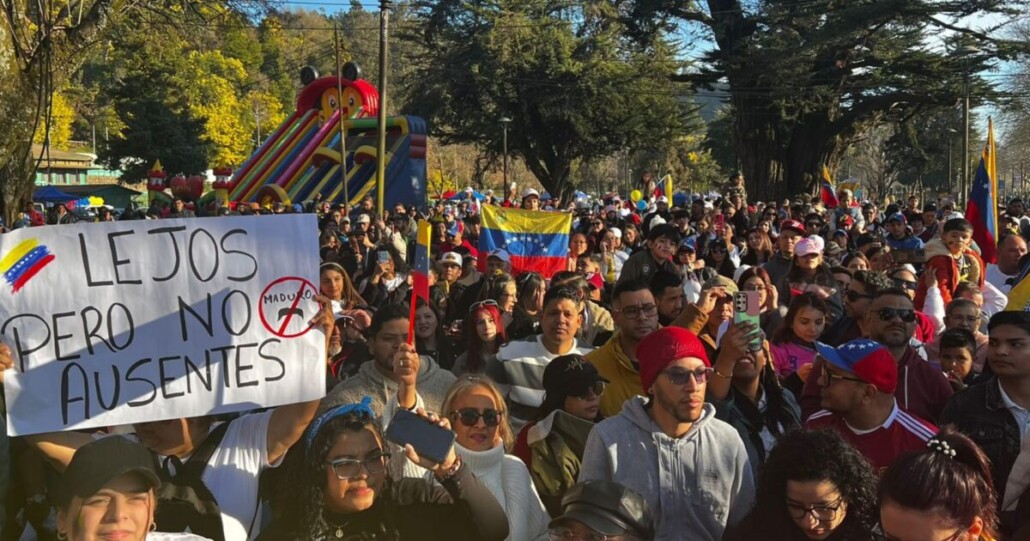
635 195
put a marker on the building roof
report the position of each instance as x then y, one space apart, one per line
62 159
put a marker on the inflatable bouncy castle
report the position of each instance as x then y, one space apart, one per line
302 159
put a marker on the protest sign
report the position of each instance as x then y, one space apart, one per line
125 322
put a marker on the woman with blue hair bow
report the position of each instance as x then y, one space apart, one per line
345 491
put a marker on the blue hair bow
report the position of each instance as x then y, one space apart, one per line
365 407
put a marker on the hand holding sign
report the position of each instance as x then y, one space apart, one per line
6 360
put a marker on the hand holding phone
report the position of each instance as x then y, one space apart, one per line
427 439
747 308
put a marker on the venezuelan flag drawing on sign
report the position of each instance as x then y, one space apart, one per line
24 262
982 209
537 241
420 273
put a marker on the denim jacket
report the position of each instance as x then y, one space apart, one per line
979 413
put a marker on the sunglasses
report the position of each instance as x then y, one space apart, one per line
679 376
907 315
905 284
854 296
487 302
470 416
595 390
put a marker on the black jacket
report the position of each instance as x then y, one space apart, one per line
413 509
979 413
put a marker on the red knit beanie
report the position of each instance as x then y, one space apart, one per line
660 348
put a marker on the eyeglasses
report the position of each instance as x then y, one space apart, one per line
855 296
880 535
679 376
566 534
470 416
635 312
822 513
830 376
594 391
349 468
907 315
905 284
487 302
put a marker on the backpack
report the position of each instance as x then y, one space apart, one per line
184 502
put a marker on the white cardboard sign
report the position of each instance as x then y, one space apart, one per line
125 322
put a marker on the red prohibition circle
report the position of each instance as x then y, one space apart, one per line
281 331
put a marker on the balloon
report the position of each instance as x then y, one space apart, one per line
641 205
635 196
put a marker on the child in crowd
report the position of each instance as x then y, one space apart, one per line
957 351
952 261
793 345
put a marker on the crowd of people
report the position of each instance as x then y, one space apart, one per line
882 391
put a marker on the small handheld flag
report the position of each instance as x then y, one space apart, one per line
420 272
982 208
826 193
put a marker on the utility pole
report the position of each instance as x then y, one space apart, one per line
384 25
343 130
504 124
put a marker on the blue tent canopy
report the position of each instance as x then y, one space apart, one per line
50 194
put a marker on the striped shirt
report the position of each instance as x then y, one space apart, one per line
900 433
518 370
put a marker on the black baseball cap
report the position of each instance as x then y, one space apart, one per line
101 461
668 231
607 508
570 375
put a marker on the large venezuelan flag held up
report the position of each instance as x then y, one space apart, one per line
536 240
982 209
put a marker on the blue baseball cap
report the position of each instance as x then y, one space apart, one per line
896 217
689 243
868 360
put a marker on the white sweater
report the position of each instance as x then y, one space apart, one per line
508 480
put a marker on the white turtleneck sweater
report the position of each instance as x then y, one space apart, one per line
508 480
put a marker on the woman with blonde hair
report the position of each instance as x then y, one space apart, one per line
479 418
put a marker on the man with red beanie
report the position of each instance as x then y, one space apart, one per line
692 468
857 385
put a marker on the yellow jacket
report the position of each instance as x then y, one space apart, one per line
623 378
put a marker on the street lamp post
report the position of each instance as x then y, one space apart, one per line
504 125
966 52
951 173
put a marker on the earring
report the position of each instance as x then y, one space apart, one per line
62 535
153 527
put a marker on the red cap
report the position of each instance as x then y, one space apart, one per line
660 348
793 225
595 280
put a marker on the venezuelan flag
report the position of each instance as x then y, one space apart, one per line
23 262
537 241
420 272
982 209
826 193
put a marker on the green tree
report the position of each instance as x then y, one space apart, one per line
574 89
805 78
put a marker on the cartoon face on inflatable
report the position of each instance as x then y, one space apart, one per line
352 104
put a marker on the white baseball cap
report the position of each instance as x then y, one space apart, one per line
363 219
451 258
530 192
663 199
616 231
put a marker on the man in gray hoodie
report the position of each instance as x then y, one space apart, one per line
692 468
376 378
